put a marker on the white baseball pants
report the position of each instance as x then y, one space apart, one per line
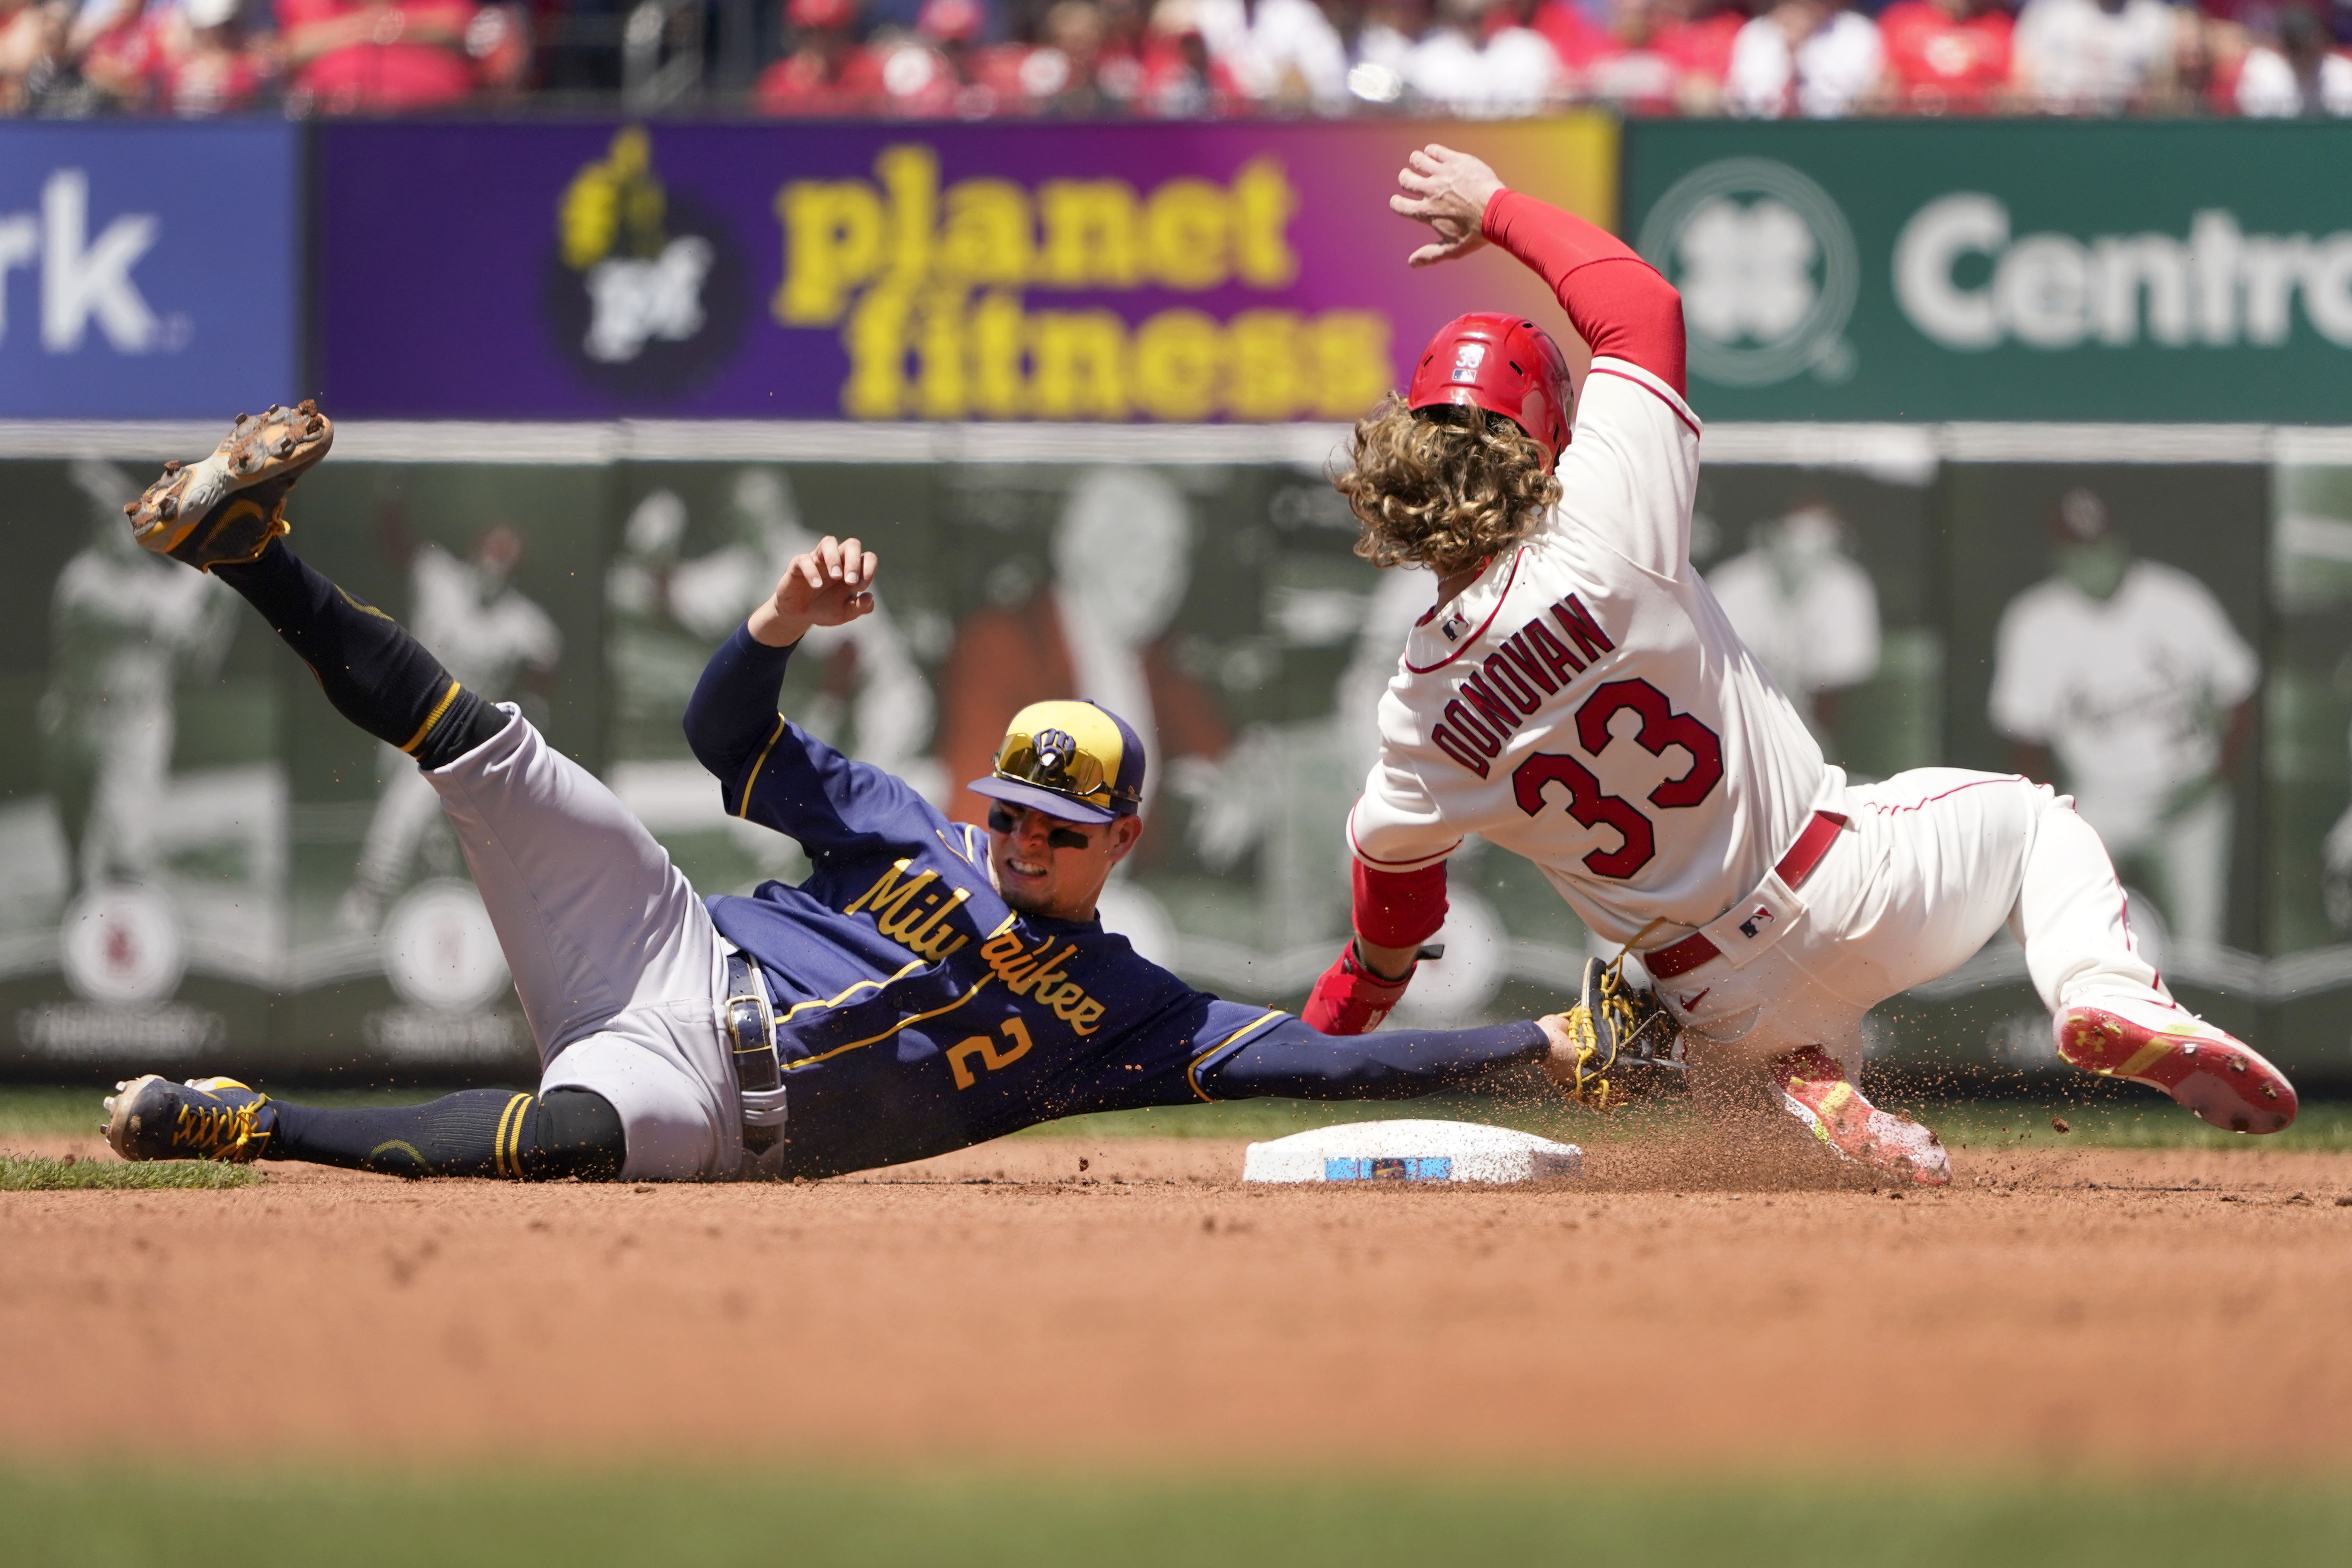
1936 861
614 958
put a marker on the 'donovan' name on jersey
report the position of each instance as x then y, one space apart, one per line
1503 692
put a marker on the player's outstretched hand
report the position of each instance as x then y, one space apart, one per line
1449 192
1561 1061
829 585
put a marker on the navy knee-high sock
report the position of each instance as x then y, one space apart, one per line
376 675
474 1132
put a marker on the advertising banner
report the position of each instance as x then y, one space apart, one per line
2005 270
147 271
1185 273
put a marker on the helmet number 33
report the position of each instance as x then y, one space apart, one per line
1661 727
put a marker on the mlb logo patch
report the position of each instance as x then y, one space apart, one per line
1454 625
1468 358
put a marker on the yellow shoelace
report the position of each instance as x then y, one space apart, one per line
216 1133
1587 1085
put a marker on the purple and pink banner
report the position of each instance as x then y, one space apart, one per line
1144 272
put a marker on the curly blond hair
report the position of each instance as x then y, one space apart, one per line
1444 489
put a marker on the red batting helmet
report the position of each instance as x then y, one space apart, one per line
1503 364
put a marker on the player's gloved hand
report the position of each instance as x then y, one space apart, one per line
1351 999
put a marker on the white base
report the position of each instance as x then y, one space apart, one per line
1411 1152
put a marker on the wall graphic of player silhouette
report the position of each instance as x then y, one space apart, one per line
124 629
669 608
1807 609
497 643
1122 562
2128 676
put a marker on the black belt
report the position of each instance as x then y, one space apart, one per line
747 1021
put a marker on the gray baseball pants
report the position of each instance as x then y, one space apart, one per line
614 959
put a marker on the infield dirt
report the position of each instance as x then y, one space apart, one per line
2101 1311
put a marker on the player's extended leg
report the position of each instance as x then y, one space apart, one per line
474 1132
1947 856
2112 1014
614 960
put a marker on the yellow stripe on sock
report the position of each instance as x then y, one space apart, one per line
506 1145
431 719
514 1138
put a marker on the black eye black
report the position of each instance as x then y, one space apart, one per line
999 820
1064 839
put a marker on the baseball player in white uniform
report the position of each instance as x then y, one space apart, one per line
484 632
1577 696
2130 672
1806 609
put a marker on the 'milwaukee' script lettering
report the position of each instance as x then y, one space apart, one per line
913 912
931 287
1035 974
1531 663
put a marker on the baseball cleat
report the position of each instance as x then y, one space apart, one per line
152 1118
226 508
2220 1077
1813 1089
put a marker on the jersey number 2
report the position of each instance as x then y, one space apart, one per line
984 1047
1661 727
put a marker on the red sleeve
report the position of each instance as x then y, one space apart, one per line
1616 300
1400 908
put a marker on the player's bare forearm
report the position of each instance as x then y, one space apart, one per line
1388 962
829 585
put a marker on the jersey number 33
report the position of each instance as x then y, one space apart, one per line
1586 803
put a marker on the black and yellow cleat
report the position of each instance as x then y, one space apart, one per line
226 508
152 1118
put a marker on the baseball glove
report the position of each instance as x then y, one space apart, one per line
1612 1028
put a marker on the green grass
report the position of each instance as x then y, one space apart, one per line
2116 1116
44 1111
114 1519
38 1174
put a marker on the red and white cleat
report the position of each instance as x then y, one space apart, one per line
2220 1077
1813 1089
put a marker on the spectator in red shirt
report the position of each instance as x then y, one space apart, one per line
826 73
1181 80
376 55
212 68
1654 57
1946 56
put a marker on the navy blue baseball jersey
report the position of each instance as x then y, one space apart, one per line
917 1013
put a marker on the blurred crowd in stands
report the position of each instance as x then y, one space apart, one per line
1182 59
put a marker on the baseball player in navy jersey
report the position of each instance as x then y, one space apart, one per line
932 984
1577 695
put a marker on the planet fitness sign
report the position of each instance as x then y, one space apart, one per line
894 272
